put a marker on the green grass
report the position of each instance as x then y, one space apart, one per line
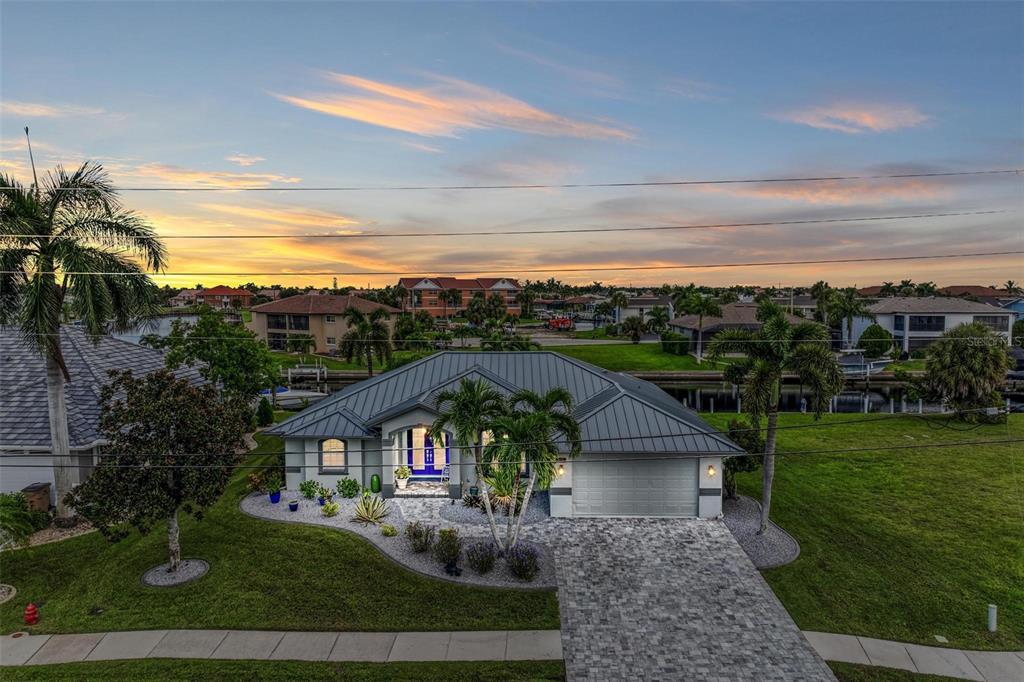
850 672
599 333
901 545
263 575
162 669
246 315
907 365
634 357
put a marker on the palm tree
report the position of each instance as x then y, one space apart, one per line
906 287
633 327
461 332
525 299
444 296
846 305
888 289
529 433
84 251
1012 288
700 306
618 301
821 292
926 289
367 335
778 347
468 413
604 310
476 310
966 368
659 318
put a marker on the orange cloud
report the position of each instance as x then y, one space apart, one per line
39 110
444 109
854 118
838 193
297 217
187 176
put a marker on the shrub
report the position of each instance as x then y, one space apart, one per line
674 343
522 562
330 509
448 547
309 488
325 492
421 536
481 556
472 501
273 482
348 487
264 413
370 509
612 330
919 354
403 472
15 519
875 341
388 531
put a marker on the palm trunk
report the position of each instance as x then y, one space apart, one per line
369 362
526 505
512 513
60 439
700 337
173 545
487 499
769 466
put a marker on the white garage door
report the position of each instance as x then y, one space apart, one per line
665 487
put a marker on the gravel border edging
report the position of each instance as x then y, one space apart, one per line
422 564
189 571
769 552
10 595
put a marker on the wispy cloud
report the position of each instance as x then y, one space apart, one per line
40 110
516 170
244 160
420 147
296 217
846 193
854 118
445 107
189 176
576 73
694 89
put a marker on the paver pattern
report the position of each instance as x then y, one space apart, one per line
660 599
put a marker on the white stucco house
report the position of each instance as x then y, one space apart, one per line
644 454
916 322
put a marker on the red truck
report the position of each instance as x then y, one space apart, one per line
560 324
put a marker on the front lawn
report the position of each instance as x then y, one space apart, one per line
901 544
162 669
635 357
263 575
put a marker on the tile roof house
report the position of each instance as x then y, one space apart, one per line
224 298
24 411
644 453
423 293
915 322
734 316
318 315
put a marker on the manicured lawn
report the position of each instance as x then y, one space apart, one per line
162 669
901 545
634 357
599 333
263 575
907 365
849 672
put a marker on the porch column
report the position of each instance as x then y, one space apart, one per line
388 459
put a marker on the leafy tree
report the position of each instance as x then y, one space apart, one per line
659 318
822 294
171 448
605 311
79 227
496 307
701 306
749 438
778 347
728 297
966 368
405 326
424 321
264 413
846 305
876 341
227 354
525 299
633 327
367 335
925 289
476 309
618 301
301 343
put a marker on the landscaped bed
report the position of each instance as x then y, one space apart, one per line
262 575
900 544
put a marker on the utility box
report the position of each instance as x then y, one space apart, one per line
38 496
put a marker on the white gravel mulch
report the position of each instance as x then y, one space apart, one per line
775 547
539 510
7 592
55 534
398 547
189 570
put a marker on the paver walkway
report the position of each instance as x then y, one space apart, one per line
987 666
499 645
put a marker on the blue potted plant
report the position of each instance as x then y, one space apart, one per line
325 495
293 505
274 488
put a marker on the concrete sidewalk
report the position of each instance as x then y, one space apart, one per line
986 666
500 645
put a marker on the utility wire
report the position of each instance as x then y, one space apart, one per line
574 230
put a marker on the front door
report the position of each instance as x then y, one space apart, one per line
423 458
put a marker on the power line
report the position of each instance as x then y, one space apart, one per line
653 183
675 266
574 230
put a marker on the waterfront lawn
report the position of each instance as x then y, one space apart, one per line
901 544
289 360
635 357
263 575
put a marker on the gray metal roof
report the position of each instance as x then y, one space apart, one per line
611 407
24 413
933 304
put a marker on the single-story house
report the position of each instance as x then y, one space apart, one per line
734 316
915 322
639 306
25 445
321 316
644 453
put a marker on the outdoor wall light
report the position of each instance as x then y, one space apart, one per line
561 469
711 471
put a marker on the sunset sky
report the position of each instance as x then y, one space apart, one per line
296 95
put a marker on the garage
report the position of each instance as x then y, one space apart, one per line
609 486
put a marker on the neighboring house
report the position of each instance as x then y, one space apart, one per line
639 306
983 294
423 293
184 298
734 316
644 454
271 294
1014 305
803 305
224 298
318 315
24 412
915 322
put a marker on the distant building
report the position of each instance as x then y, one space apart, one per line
915 322
272 294
734 316
184 298
423 293
803 305
639 306
224 298
318 315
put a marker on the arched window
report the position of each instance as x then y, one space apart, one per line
333 456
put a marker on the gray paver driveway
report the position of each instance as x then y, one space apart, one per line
657 599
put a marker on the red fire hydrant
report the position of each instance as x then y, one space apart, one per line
31 614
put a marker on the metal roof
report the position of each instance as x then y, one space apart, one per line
933 304
625 410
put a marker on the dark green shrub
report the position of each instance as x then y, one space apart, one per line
472 501
264 413
751 440
875 341
348 487
309 488
522 562
675 343
919 354
448 547
481 556
421 536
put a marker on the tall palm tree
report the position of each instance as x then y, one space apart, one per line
700 306
888 289
776 348
846 305
530 432
367 335
906 287
926 289
525 299
468 413
659 318
821 292
444 296
85 251
618 301
604 310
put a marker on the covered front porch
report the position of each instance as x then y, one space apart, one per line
436 467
